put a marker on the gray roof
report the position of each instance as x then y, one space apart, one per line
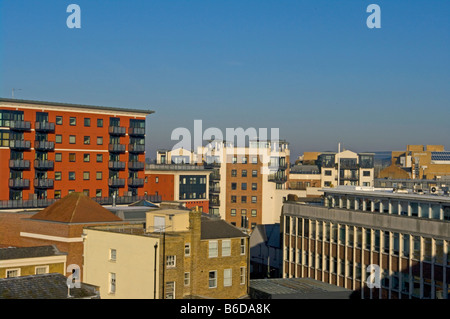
213 228
298 288
45 286
76 106
29 252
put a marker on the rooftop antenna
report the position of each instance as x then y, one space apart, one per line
14 89
339 164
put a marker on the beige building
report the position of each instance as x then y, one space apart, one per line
176 254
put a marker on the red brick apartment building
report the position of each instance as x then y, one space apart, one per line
48 150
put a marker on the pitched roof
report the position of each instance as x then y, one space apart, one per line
45 286
76 208
213 228
29 252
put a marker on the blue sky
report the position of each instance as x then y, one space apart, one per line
311 68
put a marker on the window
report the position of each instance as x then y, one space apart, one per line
187 278
98 193
233 186
242 275
254 199
99 140
87 140
243 199
254 186
72 121
87 122
327 172
86 192
58 176
227 277
244 186
112 283
253 212
86 157
59 120
58 139
57 194
10 273
86 176
72 139
98 175
99 158
254 173
226 248
187 249
156 179
233 173
234 161
213 249
171 261
366 173
213 279
41 270
58 157
170 290
233 199
112 254
99 122
71 176
72 157
244 172
233 212
255 160
244 161
242 246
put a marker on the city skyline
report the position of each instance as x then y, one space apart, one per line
314 71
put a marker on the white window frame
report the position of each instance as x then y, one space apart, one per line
243 275
173 292
171 261
11 270
215 279
243 246
187 249
213 252
112 283
227 277
187 278
46 267
226 249
112 256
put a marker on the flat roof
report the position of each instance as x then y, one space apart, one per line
384 192
83 106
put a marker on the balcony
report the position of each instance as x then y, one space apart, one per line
136 148
117 130
116 148
136 182
44 127
19 145
20 125
19 164
43 183
214 202
277 178
136 166
115 165
44 146
19 183
214 189
116 182
214 176
136 131
43 164
278 166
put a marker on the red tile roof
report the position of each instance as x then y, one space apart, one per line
76 208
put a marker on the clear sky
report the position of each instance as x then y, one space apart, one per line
311 68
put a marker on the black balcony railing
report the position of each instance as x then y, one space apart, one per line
116 130
136 148
115 165
20 125
136 131
277 178
44 126
43 164
116 182
214 189
43 183
19 183
19 164
214 176
214 202
137 166
19 144
116 148
136 182
44 145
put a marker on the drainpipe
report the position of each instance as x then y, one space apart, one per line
154 276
